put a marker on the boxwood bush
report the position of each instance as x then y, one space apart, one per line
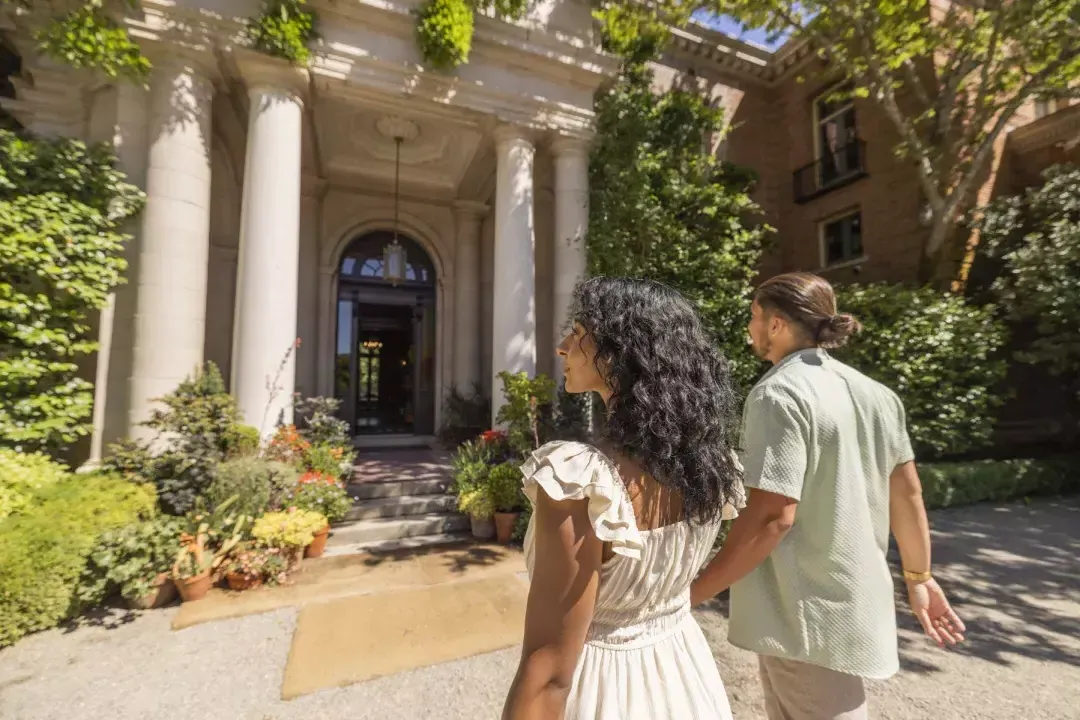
44 548
940 354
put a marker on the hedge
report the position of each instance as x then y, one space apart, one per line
964 483
44 549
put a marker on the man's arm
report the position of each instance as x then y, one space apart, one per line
774 440
911 528
562 597
757 531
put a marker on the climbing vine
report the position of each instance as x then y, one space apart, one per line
444 28
284 29
62 207
88 35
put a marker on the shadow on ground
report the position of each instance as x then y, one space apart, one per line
456 558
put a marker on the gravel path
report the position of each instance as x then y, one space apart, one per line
1013 571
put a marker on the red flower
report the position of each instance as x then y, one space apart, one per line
490 436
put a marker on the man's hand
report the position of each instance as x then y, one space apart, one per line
929 605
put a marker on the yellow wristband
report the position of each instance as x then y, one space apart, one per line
917 577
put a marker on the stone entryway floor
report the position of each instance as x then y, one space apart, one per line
1013 571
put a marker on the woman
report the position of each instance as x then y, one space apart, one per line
618 534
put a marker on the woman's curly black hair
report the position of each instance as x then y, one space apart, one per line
674 408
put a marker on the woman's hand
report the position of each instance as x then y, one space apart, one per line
930 606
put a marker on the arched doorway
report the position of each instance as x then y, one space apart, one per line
384 371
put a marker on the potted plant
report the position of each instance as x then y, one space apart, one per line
504 482
246 567
478 505
204 549
133 561
291 530
321 493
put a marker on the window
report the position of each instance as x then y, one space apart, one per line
363 261
841 239
835 136
1045 106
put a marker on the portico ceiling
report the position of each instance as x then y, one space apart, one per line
357 142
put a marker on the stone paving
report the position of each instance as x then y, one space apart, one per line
1012 571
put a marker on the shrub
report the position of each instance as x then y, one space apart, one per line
129 559
290 529
322 494
476 502
504 485
963 483
444 30
464 416
320 423
1037 238
242 440
288 445
662 207
22 475
941 355
44 550
258 485
200 423
62 205
527 402
471 465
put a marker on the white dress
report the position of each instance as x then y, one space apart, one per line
645 658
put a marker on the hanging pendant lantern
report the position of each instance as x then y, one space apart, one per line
394 260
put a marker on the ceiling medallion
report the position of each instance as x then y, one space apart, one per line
394 127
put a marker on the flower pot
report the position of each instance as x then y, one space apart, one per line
163 593
318 544
504 526
483 528
243 581
194 588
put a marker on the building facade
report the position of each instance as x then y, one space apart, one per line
375 231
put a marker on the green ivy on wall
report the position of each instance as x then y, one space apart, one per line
444 28
62 207
284 29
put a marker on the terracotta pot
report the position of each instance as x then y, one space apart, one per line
242 581
163 593
504 526
318 545
194 588
483 528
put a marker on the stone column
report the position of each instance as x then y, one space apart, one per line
126 131
307 314
513 332
264 335
467 297
571 224
173 250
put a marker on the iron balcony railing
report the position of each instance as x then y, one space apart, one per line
834 169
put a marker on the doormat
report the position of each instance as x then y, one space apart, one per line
360 638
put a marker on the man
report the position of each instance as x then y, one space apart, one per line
829 469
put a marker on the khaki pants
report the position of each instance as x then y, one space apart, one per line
801 691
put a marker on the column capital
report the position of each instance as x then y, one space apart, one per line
260 71
470 209
570 146
172 55
507 134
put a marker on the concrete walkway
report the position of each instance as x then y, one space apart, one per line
1012 570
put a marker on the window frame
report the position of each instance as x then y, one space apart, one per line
823 248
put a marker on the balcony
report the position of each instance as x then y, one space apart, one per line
831 171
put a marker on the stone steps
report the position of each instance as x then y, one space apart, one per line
402 506
401 499
363 534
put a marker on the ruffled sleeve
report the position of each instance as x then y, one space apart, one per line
576 471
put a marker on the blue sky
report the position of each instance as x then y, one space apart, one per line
733 28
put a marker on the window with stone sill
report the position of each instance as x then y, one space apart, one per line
841 239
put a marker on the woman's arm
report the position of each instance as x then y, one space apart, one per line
562 596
